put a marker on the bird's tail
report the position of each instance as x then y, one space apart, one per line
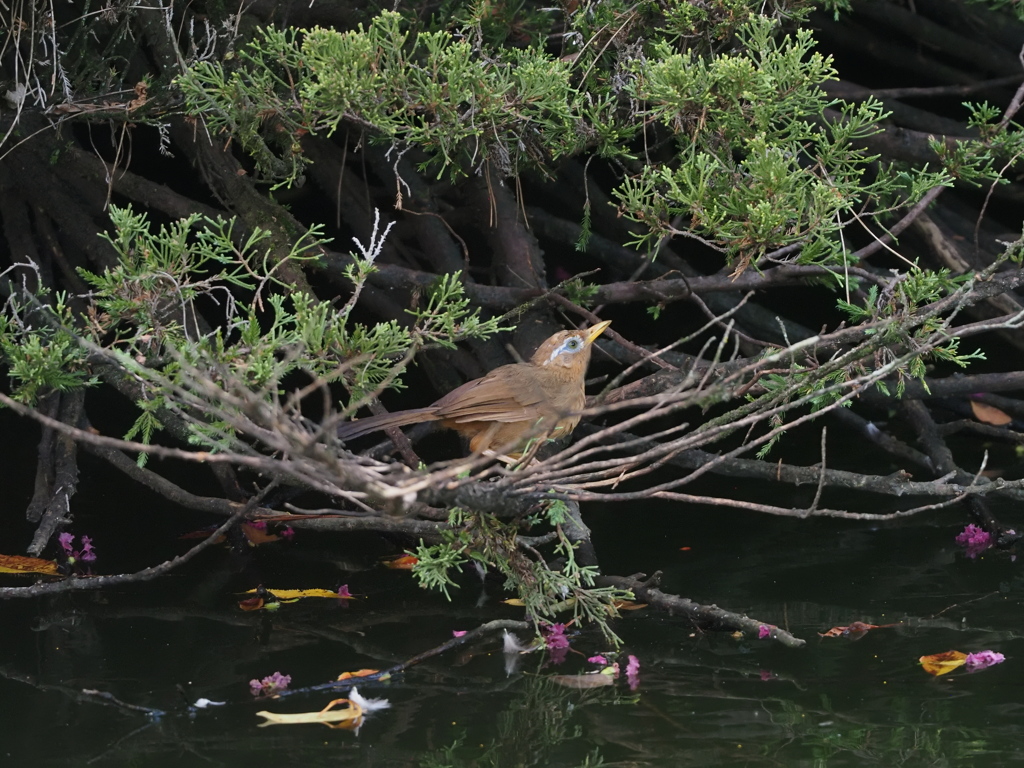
351 429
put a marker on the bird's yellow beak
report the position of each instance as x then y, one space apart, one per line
596 331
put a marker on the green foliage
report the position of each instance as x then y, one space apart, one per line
579 292
449 316
545 592
759 166
586 231
762 158
41 355
987 158
901 336
514 108
504 23
145 427
141 319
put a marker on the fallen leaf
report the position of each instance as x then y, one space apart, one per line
358 673
583 682
20 564
941 663
349 717
855 631
628 605
401 563
257 535
515 601
291 595
251 604
989 414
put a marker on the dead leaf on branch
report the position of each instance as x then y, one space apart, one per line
989 414
20 564
255 533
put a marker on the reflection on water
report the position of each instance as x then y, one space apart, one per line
705 699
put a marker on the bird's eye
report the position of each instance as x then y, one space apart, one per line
573 343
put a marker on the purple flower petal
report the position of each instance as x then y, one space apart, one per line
557 655
458 632
982 659
88 554
974 540
66 541
554 636
276 682
598 659
633 673
763 631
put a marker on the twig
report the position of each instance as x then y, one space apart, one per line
705 616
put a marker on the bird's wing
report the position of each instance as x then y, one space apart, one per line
495 397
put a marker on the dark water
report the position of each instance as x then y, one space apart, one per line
705 698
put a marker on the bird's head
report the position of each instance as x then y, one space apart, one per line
569 349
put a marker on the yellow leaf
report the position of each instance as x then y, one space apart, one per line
988 414
941 663
292 595
333 718
19 564
514 601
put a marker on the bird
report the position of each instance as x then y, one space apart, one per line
512 404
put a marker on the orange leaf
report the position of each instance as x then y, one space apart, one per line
358 673
855 631
402 563
257 535
941 663
628 605
988 414
251 604
19 564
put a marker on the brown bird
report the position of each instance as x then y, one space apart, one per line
512 403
